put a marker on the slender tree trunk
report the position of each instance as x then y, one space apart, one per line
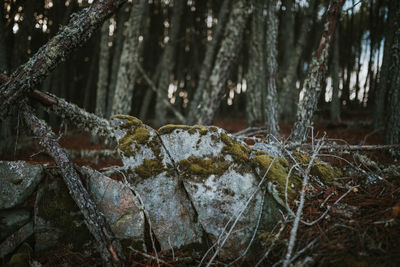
102 79
230 46
118 40
289 93
392 134
209 59
127 71
168 61
316 76
271 99
381 90
287 27
335 104
256 80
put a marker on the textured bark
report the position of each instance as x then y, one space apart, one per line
256 80
109 247
77 32
73 114
209 59
380 99
127 71
392 133
316 76
227 54
271 101
118 41
102 79
335 104
168 62
289 93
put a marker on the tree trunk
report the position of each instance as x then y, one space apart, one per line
127 71
392 134
381 90
118 41
230 46
256 80
168 62
289 93
271 100
316 76
335 104
209 59
102 79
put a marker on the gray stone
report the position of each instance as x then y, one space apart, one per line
18 181
195 183
12 220
119 205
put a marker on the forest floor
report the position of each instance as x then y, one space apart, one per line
362 230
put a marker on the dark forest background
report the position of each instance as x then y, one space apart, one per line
152 51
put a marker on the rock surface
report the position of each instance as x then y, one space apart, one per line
18 181
196 182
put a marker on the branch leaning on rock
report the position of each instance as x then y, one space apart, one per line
109 247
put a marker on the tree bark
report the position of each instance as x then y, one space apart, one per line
392 133
168 62
289 93
335 104
127 71
227 54
209 60
109 247
316 76
78 31
118 41
381 92
271 99
102 79
256 78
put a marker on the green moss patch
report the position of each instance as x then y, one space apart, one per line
277 173
322 170
130 121
169 128
140 135
194 166
237 150
150 168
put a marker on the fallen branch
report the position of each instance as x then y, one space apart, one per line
109 246
73 113
332 148
80 28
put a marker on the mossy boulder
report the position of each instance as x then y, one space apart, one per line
204 177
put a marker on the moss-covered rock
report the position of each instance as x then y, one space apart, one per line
169 128
138 136
320 169
237 150
150 168
277 173
197 167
